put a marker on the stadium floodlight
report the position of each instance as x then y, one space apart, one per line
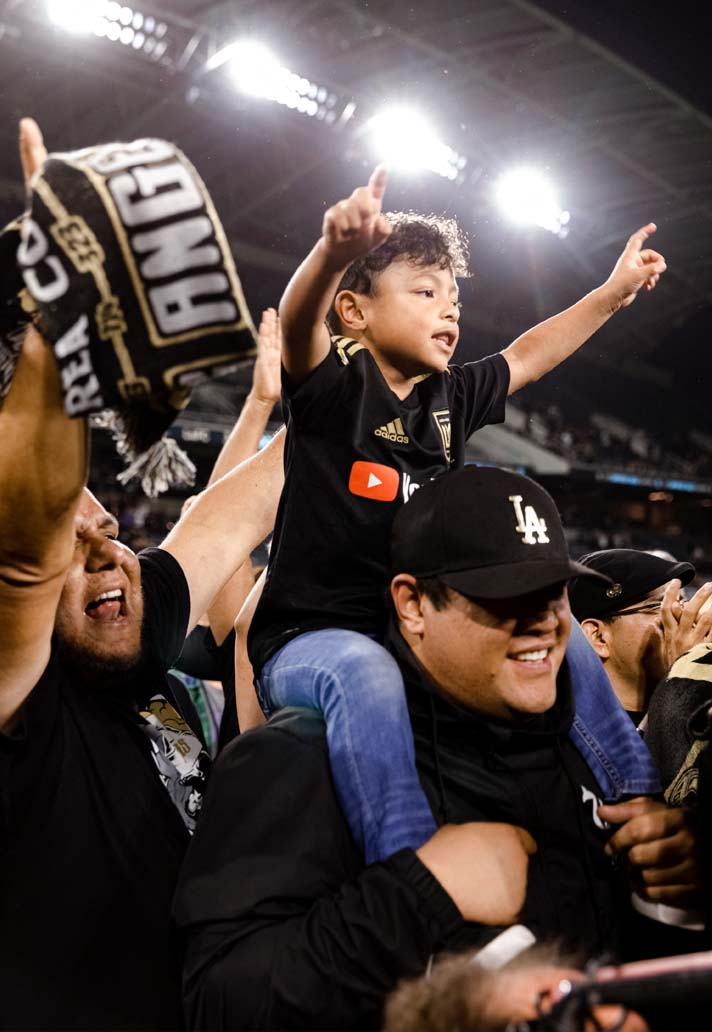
402 138
113 21
527 197
76 15
253 68
256 71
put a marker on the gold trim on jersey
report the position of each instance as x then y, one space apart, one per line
346 347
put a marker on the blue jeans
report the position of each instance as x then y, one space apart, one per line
602 731
357 686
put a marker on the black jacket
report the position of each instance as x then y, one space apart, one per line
283 925
473 768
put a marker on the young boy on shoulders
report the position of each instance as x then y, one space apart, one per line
374 412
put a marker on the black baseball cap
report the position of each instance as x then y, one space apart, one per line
633 575
486 532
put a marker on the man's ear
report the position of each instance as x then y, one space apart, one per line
348 307
597 633
407 602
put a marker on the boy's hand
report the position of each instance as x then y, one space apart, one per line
356 226
638 267
267 373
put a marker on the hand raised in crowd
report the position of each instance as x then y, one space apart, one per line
684 625
357 225
267 374
33 152
638 267
483 867
660 843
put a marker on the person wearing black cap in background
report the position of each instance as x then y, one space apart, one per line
639 624
284 925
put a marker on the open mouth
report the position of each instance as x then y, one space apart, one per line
446 339
109 606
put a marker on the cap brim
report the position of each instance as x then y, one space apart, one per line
511 580
684 572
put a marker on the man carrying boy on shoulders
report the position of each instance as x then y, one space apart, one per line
373 415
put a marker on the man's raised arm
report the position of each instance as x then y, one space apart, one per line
225 523
43 467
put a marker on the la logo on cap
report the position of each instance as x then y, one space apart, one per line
529 525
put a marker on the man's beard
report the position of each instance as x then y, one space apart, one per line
113 674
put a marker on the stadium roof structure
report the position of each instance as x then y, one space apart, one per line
506 84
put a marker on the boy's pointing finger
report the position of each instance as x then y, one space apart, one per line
638 238
377 182
364 202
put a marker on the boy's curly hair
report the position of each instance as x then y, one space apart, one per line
422 239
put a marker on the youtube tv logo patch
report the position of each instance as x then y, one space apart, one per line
371 480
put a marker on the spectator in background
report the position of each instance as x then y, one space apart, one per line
208 653
639 624
102 763
679 735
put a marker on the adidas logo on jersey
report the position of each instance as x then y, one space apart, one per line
393 432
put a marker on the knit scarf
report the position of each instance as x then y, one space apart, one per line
122 264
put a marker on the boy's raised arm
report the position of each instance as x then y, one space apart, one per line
543 347
352 228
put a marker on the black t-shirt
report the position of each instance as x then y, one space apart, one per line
203 658
97 802
354 453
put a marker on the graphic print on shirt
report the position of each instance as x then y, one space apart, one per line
587 796
372 480
181 761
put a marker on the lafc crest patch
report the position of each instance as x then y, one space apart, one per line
442 422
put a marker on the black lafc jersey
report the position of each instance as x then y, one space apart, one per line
354 453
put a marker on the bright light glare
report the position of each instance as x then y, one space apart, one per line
527 197
76 15
255 70
402 138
